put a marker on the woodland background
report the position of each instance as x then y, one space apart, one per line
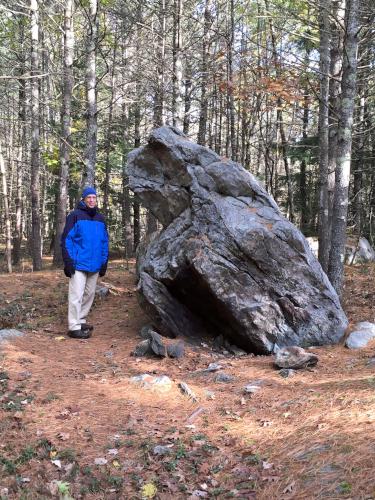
285 87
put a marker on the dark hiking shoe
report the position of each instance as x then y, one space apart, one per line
86 326
79 334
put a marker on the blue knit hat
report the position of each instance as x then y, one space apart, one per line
87 191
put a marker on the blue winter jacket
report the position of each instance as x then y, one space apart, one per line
84 241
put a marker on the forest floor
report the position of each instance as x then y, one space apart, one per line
72 424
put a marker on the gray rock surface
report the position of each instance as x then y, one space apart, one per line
9 333
224 377
161 383
287 372
143 348
227 262
176 350
163 450
295 357
361 335
359 252
101 291
185 389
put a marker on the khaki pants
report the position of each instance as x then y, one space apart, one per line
81 296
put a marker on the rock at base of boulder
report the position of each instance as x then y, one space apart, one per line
295 357
157 346
287 372
176 350
142 349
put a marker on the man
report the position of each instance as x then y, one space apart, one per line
84 244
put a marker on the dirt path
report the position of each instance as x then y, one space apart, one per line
73 424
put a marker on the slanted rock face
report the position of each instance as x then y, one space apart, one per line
227 262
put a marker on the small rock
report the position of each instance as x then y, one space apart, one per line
213 367
237 351
224 377
142 348
113 451
9 333
371 362
251 388
101 291
199 494
157 345
176 350
163 450
100 461
363 332
287 372
146 332
209 394
23 376
162 383
186 390
295 357
218 342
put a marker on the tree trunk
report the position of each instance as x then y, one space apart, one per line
323 131
230 86
344 146
159 87
336 57
36 238
204 75
91 113
177 100
17 231
8 235
126 204
187 99
65 141
302 183
108 144
137 143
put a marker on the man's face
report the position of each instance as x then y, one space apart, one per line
90 201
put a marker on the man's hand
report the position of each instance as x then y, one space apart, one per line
69 270
103 270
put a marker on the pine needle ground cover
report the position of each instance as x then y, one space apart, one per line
74 426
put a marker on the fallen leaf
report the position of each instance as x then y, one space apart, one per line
116 464
149 490
57 463
60 337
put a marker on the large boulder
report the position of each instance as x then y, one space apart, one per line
226 262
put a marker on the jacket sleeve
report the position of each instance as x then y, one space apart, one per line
67 243
105 246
